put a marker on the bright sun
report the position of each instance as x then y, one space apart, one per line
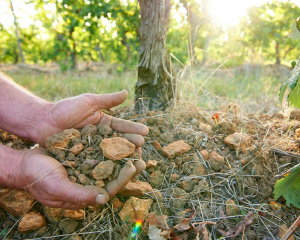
229 12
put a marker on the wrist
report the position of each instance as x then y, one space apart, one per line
21 112
10 167
39 123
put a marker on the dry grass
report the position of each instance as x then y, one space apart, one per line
200 95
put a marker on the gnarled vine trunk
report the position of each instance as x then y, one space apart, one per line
153 89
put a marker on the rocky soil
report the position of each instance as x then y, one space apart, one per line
208 175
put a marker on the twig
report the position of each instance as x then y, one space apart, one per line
292 229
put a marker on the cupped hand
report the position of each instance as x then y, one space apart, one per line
47 181
76 112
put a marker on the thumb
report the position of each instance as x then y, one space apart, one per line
104 101
84 195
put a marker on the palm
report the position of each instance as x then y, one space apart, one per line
47 180
79 111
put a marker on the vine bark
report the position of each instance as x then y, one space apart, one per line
153 89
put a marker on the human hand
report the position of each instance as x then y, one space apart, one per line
47 181
76 112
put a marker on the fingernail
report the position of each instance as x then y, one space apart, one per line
100 199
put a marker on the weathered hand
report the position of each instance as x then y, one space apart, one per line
47 180
76 112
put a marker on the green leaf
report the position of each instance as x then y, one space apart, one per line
295 33
294 96
292 83
289 187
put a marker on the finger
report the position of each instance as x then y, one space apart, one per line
138 150
92 119
122 125
104 101
136 139
62 204
82 195
72 206
114 186
139 166
127 126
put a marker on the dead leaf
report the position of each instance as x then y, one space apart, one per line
233 232
184 223
158 221
201 228
154 233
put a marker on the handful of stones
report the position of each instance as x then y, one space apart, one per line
93 155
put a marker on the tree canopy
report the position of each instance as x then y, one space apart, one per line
68 31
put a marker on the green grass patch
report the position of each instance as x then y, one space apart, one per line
201 87
53 87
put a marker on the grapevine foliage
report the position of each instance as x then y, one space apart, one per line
292 81
293 84
289 187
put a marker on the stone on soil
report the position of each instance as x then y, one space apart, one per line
31 221
89 130
103 170
100 183
104 130
198 169
204 154
188 185
180 198
15 202
157 145
231 208
76 149
88 166
151 163
166 137
74 214
216 161
156 194
53 214
200 188
176 148
156 178
225 128
83 179
174 177
117 148
141 206
61 141
154 131
159 208
71 164
136 188
238 141
68 226
117 204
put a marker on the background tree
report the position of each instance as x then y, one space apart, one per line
72 31
268 26
17 32
153 89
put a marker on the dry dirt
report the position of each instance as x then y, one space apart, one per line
207 174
